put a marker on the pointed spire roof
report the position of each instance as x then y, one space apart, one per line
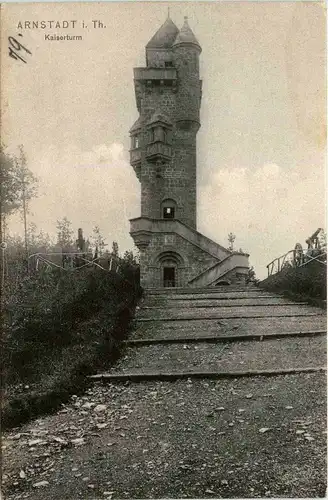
136 126
165 36
186 35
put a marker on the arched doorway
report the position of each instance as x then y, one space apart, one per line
170 267
169 273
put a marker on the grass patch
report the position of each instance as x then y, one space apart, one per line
307 283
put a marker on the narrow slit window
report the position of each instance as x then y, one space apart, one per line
135 142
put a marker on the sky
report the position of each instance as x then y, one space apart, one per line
261 145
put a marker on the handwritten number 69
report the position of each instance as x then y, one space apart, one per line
15 44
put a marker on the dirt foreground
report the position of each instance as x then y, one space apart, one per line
259 437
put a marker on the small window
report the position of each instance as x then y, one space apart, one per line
135 142
152 135
168 213
168 64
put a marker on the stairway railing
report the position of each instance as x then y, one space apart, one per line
292 259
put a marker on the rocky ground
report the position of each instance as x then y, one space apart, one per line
230 438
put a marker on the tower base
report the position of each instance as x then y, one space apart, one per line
173 254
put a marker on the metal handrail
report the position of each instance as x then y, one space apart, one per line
294 259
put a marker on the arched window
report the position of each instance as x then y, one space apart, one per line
168 209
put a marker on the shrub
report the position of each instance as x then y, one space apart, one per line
44 314
60 328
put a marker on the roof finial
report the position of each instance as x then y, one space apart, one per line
186 18
168 12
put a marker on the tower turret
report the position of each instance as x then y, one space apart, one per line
186 51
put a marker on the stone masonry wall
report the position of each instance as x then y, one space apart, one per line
186 60
195 259
175 179
152 185
156 58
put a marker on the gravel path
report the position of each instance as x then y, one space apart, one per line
197 439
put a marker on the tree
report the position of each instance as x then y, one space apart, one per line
115 249
130 258
98 242
231 240
37 241
17 183
65 234
17 187
251 276
323 240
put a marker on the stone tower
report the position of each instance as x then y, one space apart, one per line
163 154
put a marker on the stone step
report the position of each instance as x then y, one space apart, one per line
224 303
194 291
271 354
232 326
220 338
178 375
199 299
197 313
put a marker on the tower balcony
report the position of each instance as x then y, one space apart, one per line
135 156
158 151
135 161
151 74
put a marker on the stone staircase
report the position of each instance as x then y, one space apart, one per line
223 332
210 277
220 393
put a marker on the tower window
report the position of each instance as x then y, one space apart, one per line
168 212
168 208
168 64
135 142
